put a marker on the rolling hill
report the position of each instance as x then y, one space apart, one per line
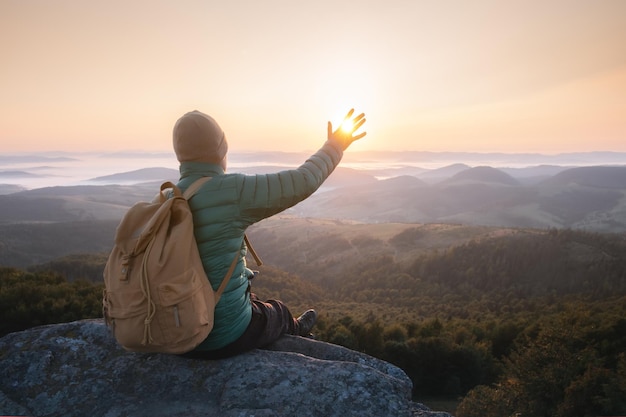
140 175
596 176
40 224
481 174
582 198
590 198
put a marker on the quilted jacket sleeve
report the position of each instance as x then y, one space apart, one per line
262 196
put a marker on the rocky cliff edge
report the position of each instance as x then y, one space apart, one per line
77 369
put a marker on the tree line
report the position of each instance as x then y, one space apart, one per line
561 360
32 299
529 323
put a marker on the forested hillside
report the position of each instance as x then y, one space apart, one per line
32 243
508 320
350 257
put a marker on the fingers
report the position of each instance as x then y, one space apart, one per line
349 114
359 117
358 122
330 129
359 136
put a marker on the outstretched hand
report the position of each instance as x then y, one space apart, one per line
344 135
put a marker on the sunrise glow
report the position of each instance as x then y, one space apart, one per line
482 76
347 126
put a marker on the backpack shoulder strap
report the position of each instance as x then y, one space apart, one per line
231 269
256 257
194 187
229 273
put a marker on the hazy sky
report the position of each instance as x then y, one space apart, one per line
468 75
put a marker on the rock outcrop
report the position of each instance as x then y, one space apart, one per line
77 369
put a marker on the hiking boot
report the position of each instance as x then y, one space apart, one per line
306 322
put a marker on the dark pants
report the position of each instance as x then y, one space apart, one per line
270 320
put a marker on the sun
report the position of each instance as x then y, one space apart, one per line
347 126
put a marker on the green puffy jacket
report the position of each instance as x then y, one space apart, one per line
222 210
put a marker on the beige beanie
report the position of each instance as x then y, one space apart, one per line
198 138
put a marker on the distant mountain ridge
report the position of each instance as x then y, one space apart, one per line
144 174
17 174
482 174
597 176
589 198
73 167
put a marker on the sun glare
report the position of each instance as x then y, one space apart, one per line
347 126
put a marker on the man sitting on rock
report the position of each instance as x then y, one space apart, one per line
225 207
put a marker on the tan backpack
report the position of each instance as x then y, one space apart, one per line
157 297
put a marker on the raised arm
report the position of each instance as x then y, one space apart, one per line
264 195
